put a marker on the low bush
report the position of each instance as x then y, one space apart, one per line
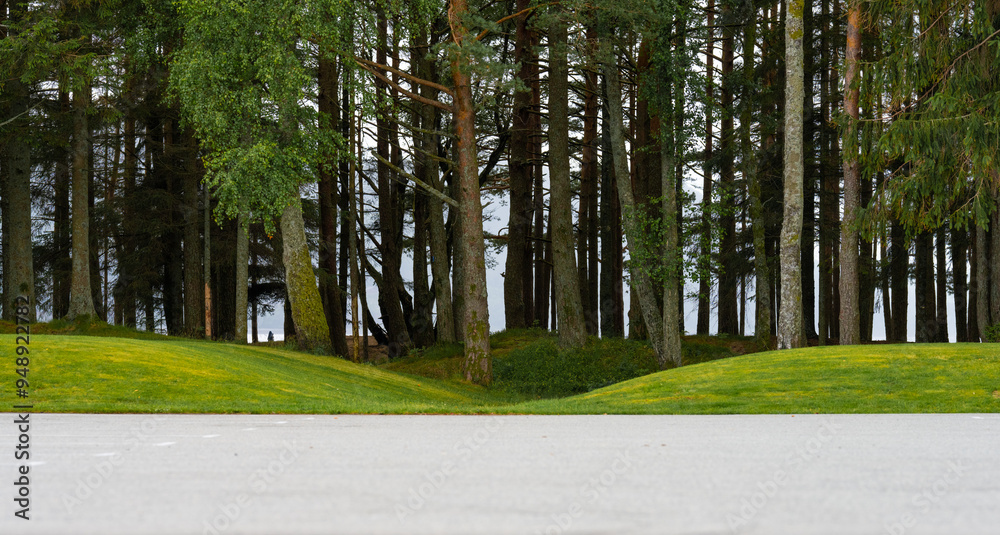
992 333
541 369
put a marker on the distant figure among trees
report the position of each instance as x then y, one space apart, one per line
270 336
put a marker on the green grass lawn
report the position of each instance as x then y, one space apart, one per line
833 379
110 374
96 374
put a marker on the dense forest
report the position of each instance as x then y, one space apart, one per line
183 165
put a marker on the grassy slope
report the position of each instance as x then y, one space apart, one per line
97 374
858 379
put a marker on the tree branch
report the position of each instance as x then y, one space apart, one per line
430 189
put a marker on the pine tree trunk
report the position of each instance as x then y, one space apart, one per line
194 300
476 320
206 258
125 301
790 324
572 331
330 290
941 315
388 212
994 263
81 299
62 267
612 298
18 273
762 325
925 293
973 312
641 282
704 260
672 254
728 275
899 267
589 181
983 283
959 262
517 270
850 320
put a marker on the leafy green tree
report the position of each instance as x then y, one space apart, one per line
241 77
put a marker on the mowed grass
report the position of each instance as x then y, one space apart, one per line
99 374
837 379
96 374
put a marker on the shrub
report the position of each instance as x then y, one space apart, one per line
992 333
542 369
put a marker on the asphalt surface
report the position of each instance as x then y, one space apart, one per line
301 474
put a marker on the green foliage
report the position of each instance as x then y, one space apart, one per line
242 77
542 369
992 333
936 94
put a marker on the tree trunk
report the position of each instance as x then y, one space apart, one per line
941 315
728 260
194 300
19 272
476 321
311 330
641 280
959 262
704 260
330 290
983 283
588 221
899 267
517 272
612 265
973 323
207 259
388 211
242 277
850 320
790 324
994 263
762 324
672 253
925 292
81 300
572 331
62 267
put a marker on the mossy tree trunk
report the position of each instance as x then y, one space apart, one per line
311 330
642 284
476 318
791 333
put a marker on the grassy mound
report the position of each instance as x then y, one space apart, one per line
92 374
74 373
834 379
